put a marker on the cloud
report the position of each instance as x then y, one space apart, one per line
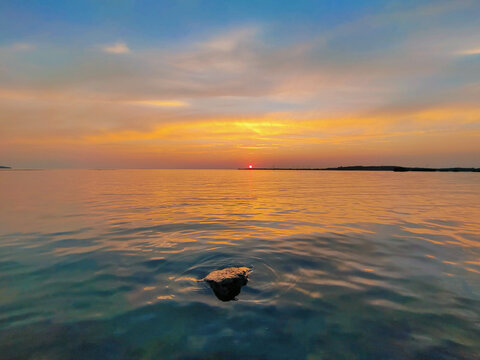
117 48
231 40
22 47
158 103
232 52
474 51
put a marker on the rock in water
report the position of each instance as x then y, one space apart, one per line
227 283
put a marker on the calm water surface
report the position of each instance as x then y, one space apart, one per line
358 265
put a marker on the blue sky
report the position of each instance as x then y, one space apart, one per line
168 20
221 83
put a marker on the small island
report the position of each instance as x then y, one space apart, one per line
376 168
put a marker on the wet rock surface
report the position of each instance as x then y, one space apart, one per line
227 283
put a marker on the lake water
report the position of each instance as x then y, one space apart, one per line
346 265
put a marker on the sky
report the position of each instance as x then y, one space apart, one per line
224 84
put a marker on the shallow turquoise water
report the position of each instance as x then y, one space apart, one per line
103 264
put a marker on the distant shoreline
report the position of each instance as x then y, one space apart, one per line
340 168
375 168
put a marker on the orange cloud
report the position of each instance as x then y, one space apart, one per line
158 103
117 48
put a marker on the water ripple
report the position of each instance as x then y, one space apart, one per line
361 266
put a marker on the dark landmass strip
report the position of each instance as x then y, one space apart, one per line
377 168
5 167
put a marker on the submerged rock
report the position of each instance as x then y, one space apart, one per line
227 283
